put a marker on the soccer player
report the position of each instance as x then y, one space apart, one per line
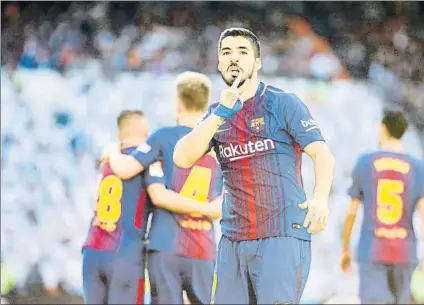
258 133
113 269
390 184
182 247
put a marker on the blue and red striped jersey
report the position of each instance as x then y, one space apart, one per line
389 185
185 235
121 211
259 150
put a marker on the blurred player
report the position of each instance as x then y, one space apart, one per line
113 269
182 247
258 133
390 184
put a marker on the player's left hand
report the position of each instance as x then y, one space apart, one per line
316 219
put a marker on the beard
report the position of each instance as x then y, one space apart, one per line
229 80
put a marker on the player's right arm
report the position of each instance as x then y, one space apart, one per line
347 233
356 193
195 144
169 200
127 166
174 202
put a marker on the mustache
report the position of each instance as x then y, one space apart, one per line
234 66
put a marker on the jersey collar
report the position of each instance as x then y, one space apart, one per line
261 90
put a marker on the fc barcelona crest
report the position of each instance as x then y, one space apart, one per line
257 124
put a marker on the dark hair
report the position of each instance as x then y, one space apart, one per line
125 114
395 122
234 32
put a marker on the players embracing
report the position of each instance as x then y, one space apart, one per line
113 256
181 240
259 133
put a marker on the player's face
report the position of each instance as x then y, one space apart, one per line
237 56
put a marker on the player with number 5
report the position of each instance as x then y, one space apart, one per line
390 184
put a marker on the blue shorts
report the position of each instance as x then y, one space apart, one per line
385 284
109 279
170 274
266 271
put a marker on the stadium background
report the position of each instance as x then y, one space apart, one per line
69 68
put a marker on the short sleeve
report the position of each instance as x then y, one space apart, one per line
299 121
355 190
149 151
154 174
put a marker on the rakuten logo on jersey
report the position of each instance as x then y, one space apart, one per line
241 151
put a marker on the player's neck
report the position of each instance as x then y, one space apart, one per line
189 119
251 90
392 146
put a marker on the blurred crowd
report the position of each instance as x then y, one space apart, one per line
379 41
156 36
69 68
298 38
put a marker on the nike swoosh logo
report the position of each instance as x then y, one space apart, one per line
222 130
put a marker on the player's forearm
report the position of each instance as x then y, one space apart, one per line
324 174
195 144
215 209
172 201
124 166
347 231
349 222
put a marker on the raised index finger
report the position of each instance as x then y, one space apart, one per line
237 81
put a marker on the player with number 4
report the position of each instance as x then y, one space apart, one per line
390 185
181 249
113 264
